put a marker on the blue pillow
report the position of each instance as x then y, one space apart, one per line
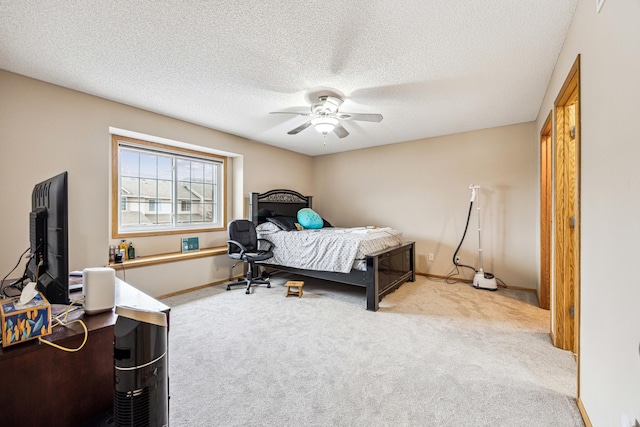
308 218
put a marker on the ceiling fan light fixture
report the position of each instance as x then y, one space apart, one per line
325 117
324 125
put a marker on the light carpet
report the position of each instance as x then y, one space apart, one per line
435 354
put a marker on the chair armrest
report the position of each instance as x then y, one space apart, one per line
269 242
238 244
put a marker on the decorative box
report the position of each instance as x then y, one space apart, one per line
21 323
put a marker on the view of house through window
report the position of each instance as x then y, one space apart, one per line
164 188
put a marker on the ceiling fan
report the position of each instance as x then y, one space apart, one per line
326 117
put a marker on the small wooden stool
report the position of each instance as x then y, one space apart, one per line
297 288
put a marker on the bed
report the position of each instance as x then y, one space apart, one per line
381 267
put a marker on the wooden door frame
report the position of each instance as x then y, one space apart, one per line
546 215
566 328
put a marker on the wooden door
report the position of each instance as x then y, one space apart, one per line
546 176
566 257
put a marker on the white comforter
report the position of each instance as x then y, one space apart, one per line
327 249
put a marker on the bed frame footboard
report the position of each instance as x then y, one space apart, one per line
386 271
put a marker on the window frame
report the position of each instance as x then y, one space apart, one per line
116 202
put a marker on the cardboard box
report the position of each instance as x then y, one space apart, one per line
22 323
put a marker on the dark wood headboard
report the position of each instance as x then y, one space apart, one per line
278 202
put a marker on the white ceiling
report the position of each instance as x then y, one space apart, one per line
430 67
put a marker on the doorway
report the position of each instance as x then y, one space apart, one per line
546 177
566 230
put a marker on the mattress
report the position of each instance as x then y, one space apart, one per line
327 249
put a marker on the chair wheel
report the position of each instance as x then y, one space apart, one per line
228 288
248 292
268 285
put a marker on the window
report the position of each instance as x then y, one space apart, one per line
164 189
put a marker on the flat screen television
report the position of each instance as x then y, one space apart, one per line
48 239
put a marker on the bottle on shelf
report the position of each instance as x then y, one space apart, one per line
131 251
123 248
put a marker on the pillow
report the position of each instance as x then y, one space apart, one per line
287 223
308 218
265 213
267 227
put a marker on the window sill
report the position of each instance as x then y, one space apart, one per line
165 258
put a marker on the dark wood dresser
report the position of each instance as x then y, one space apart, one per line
42 385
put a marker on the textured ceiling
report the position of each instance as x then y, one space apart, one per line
430 67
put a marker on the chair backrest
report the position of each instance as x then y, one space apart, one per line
244 232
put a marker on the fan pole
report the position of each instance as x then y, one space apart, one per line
477 187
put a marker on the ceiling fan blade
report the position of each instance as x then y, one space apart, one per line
300 128
340 131
360 117
298 113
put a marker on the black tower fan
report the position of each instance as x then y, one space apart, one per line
141 395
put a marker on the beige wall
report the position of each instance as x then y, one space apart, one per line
609 48
46 129
422 188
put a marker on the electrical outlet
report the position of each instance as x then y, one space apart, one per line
431 257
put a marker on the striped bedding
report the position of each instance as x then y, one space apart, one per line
327 249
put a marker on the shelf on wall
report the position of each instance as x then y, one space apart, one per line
170 257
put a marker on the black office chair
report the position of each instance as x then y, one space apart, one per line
244 245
